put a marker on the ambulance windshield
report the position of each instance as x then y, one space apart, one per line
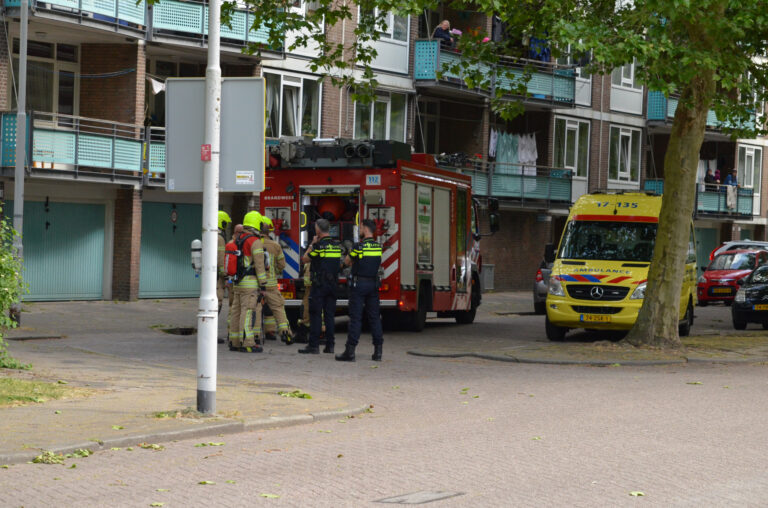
608 241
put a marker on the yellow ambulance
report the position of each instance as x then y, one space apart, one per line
600 269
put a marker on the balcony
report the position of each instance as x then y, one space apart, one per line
712 200
168 18
549 83
79 147
662 109
534 186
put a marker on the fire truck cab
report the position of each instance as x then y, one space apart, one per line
426 218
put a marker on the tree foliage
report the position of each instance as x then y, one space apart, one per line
12 288
710 53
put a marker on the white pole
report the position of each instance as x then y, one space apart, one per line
21 134
207 316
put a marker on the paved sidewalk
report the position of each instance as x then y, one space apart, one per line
125 396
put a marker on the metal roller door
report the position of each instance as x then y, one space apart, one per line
166 232
63 250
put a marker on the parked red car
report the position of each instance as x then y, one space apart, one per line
718 283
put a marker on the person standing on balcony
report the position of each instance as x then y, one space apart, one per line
731 179
443 32
709 181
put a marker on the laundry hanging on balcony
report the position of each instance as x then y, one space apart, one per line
156 85
514 154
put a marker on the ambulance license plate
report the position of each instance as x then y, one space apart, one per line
760 306
595 318
288 295
726 291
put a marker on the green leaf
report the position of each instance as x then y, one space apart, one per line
695 383
231 482
117 427
162 490
296 394
5 466
206 482
157 504
536 438
57 412
73 466
114 449
636 493
269 496
62 382
148 446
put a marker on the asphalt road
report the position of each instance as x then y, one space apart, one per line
496 434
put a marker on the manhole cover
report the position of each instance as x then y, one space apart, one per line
420 497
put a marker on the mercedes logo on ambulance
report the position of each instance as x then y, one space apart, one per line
596 293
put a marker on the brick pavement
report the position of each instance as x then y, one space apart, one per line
603 433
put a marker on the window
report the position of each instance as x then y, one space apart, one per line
293 106
608 241
162 69
572 145
625 76
750 167
624 160
568 58
52 77
392 27
382 119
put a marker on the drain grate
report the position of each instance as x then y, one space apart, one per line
420 497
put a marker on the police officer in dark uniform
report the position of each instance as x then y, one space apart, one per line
324 256
365 259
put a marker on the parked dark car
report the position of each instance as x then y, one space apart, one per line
751 302
541 281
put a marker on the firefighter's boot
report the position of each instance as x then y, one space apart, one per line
286 337
348 355
328 348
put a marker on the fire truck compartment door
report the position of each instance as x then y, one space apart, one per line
442 238
408 235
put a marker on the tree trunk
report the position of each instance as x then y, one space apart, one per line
658 320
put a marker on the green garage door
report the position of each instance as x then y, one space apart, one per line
63 250
166 270
706 241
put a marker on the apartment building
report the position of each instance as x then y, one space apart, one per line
99 225
603 132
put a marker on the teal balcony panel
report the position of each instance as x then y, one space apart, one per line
94 151
128 154
105 7
54 147
185 17
239 26
662 109
257 36
70 4
712 198
546 82
157 158
131 11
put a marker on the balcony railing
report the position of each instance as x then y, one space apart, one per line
712 199
81 146
169 17
548 83
527 184
662 109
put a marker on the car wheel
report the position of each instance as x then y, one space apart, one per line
738 324
685 328
728 303
703 303
765 325
554 333
540 307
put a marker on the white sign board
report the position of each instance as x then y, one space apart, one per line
241 162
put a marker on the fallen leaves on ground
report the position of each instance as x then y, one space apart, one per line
150 446
296 394
206 482
117 427
694 383
636 493
269 496
48 457
209 443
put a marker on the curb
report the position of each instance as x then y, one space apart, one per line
231 427
592 363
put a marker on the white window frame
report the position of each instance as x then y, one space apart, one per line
300 85
625 176
59 66
567 59
389 31
628 79
746 174
573 124
385 97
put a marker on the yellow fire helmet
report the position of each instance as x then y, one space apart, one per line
266 220
223 219
252 220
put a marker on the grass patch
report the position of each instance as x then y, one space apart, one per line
19 392
726 342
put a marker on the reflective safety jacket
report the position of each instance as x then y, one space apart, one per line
276 261
253 259
326 261
366 258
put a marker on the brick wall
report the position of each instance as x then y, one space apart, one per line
127 245
119 98
5 73
516 250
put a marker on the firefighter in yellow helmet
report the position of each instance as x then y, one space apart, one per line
270 325
272 297
221 270
245 324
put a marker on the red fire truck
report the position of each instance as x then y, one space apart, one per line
426 218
